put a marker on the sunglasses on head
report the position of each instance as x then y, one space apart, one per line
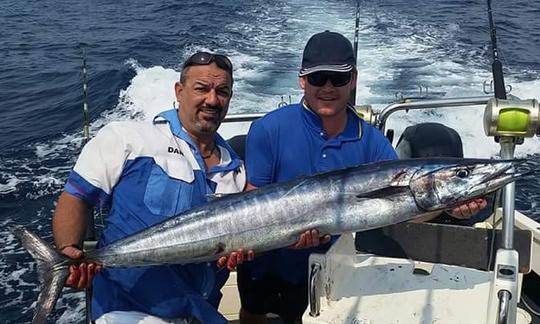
337 79
205 58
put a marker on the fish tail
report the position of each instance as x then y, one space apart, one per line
52 268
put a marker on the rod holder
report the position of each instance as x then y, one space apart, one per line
314 302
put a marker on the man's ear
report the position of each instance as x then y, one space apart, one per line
302 81
353 78
178 87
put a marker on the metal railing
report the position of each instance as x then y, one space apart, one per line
383 116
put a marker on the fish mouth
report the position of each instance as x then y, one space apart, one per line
506 174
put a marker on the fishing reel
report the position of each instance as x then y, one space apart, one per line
369 116
366 113
512 118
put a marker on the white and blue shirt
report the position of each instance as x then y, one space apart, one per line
145 173
290 142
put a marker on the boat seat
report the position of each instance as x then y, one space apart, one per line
437 140
238 144
429 140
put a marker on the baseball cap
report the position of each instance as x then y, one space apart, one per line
327 51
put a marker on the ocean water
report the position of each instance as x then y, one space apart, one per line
135 48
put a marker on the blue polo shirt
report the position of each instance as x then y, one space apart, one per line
290 142
147 173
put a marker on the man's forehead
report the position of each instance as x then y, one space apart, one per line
206 73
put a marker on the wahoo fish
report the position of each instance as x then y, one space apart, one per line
348 200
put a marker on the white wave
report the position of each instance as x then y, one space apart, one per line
152 89
45 185
150 92
438 70
73 303
10 184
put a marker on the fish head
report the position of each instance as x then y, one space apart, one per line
442 184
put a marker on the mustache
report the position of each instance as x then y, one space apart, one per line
218 108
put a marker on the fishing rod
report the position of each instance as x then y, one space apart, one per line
496 66
501 116
86 127
90 232
352 99
498 80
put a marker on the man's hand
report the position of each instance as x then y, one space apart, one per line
468 209
235 258
79 276
310 238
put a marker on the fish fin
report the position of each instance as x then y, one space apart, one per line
384 193
52 268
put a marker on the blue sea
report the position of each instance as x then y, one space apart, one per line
134 50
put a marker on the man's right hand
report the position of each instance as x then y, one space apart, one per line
80 276
309 239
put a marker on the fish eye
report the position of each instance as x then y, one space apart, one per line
463 173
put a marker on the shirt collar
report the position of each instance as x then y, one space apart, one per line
229 161
171 117
352 129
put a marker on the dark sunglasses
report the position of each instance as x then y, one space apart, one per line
338 79
205 58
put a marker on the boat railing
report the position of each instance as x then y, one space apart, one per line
238 118
383 116
380 118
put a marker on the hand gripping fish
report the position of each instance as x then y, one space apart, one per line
348 200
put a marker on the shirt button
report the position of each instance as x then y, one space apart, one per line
205 295
322 134
324 156
208 264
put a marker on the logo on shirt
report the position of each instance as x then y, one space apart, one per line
174 150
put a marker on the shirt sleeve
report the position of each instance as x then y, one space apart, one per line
259 155
386 151
98 168
381 149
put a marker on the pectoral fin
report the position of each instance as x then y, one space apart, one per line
389 193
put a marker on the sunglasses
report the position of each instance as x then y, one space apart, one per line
205 58
337 79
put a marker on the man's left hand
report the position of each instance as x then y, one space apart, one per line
468 209
235 258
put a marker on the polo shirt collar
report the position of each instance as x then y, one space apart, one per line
229 161
352 128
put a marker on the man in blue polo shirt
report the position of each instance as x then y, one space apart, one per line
146 173
319 134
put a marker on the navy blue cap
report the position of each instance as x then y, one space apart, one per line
327 51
